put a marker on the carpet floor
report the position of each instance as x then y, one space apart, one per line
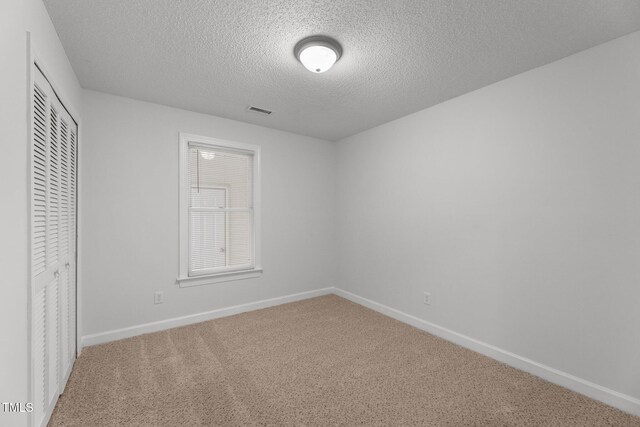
322 361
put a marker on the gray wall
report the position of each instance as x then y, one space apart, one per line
518 207
129 213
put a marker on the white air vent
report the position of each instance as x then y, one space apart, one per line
259 110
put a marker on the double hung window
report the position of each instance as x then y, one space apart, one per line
219 213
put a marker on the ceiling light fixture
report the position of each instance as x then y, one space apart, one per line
317 53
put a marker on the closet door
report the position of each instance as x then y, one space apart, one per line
52 254
66 262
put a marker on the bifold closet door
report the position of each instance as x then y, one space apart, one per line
53 230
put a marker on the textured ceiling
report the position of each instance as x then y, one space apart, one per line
219 56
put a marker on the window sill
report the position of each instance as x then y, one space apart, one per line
209 279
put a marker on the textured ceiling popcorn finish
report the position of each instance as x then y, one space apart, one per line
218 57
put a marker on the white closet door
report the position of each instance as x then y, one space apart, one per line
71 270
67 244
42 274
52 254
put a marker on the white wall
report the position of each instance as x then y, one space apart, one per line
16 18
129 213
518 207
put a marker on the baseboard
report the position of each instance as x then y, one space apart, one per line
610 397
118 334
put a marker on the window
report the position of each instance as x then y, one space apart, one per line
219 210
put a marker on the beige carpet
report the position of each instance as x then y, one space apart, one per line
323 361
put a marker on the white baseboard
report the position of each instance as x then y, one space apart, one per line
118 334
610 397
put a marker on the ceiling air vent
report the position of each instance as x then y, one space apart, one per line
259 110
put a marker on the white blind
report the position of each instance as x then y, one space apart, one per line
220 210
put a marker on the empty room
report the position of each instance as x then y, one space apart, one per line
318 213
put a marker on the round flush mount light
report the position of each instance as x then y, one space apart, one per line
318 53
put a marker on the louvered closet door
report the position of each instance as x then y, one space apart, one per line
67 242
53 160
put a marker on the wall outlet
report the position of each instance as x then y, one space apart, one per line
158 297
427 298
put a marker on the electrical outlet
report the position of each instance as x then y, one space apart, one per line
427 298
158 297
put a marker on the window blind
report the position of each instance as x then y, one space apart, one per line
220 210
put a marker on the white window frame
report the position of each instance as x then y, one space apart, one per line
245 272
